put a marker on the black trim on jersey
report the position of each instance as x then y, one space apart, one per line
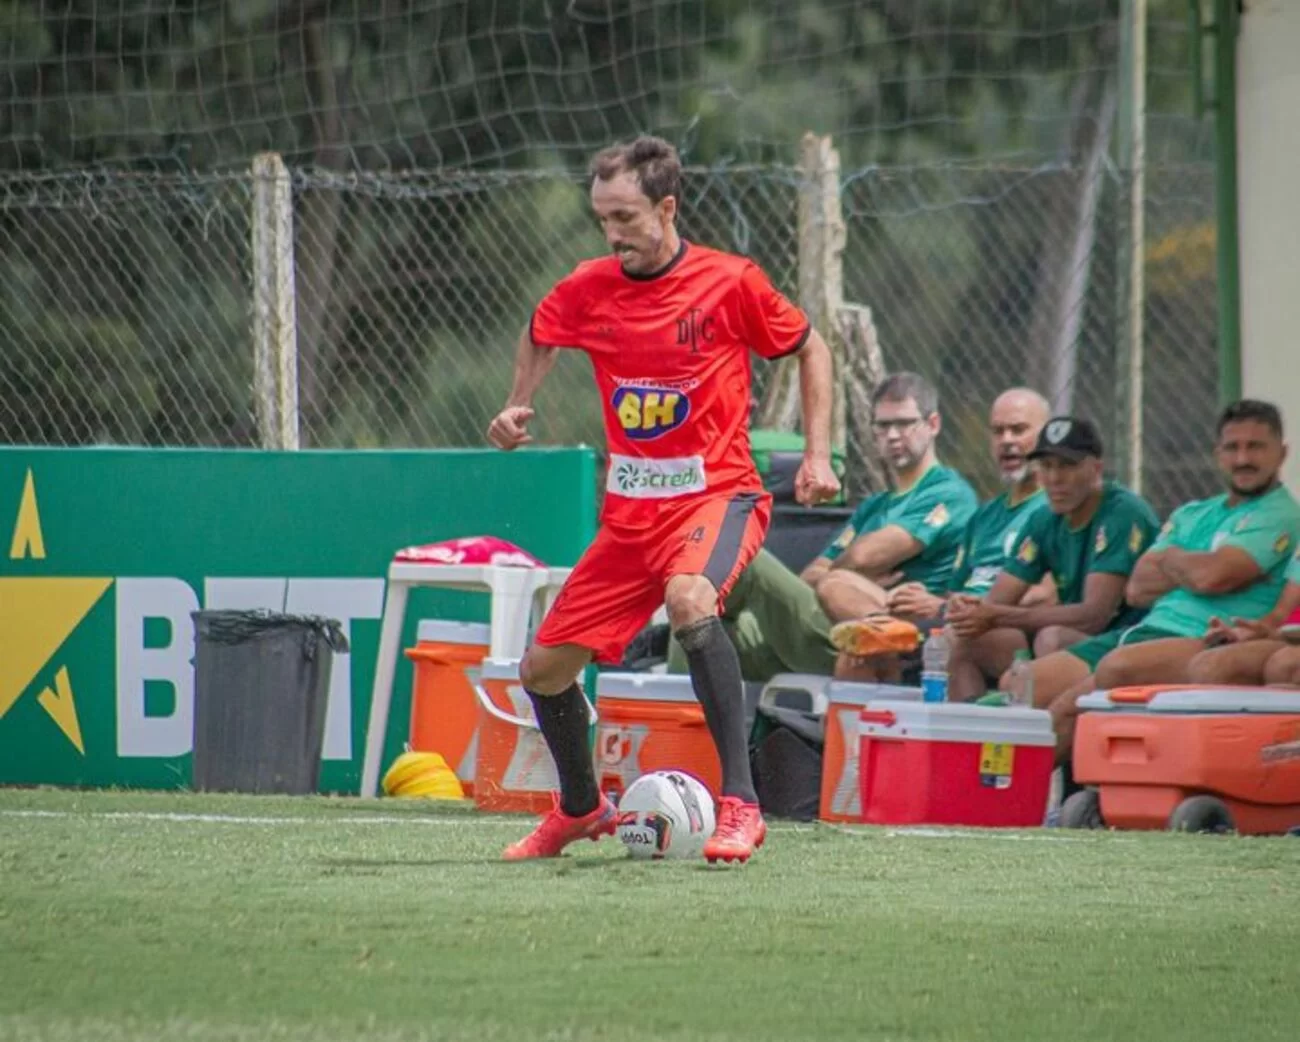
731 533
798 344
646 276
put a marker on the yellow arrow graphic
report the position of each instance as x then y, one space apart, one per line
36 617
58 702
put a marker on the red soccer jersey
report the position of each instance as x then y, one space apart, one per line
670 353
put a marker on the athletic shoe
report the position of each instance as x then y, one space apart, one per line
740 832
873 635
557 830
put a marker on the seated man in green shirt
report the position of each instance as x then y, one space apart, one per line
1255 652
780 622
910 533
1221 558
1015 420
1087 536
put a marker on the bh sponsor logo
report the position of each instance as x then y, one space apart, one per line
645 413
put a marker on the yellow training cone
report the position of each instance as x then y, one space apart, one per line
422 775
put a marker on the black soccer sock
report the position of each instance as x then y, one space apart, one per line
715 676
563 722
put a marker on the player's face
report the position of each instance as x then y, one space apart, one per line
1250 455
635 228
1067 484
903 434
1014 424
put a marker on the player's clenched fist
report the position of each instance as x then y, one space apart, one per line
816 482
510 428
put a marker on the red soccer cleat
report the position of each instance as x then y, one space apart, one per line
557 830
741 830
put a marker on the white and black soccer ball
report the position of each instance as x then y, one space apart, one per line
666 814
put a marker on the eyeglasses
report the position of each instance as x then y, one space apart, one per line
902 426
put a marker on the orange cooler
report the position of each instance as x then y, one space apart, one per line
1149 749
841 798
942 763
444 709
515 771
651 722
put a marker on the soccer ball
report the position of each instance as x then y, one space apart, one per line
665 814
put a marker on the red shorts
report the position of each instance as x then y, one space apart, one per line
619 582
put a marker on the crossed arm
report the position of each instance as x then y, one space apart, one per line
1209 574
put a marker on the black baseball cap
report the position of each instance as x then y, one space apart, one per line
1068 438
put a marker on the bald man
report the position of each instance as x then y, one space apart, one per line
1015 420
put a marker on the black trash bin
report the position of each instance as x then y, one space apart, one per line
261 686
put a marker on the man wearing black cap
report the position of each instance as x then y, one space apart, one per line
1088 536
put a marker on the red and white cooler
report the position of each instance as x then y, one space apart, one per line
925 763
841 795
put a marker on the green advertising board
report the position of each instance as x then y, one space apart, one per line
105 553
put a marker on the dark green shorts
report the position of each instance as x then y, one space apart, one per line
1094 649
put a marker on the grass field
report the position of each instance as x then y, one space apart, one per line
133 916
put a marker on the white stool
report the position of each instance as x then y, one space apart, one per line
517 594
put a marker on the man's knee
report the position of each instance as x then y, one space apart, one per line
1112 670
547 671
1051 639
689 598
1215 666
1283 668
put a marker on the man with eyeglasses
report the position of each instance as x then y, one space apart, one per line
911 533
1016 418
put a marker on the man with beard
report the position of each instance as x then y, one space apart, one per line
1015 420
1220 558
1087 536
669 327
909 534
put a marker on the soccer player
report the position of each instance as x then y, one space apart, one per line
668 326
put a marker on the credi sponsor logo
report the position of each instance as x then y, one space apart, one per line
153 643
640 478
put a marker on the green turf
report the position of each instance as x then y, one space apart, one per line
338 919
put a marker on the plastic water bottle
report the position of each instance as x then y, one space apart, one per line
1020 681
934 667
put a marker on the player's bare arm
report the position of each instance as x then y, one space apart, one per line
879 553
816 481
1238 630
1103 593
509 428
971 616
1210 574
1148 583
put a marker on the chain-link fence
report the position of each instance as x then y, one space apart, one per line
126 301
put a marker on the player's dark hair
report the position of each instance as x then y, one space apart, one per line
654 161
1251 409
899 387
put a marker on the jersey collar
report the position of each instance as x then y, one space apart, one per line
648 276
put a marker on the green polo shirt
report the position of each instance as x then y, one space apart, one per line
1266 527
989 538
934 511
1110 543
